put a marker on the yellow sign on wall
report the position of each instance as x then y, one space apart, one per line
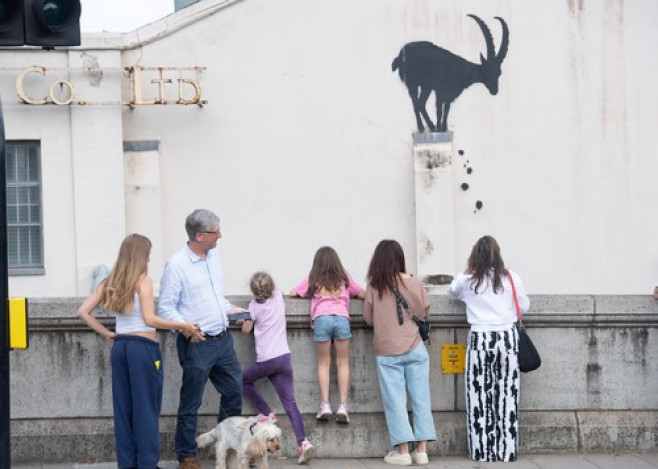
453 358
17 308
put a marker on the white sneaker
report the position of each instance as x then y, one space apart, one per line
398 459
325 412
420 458
341 414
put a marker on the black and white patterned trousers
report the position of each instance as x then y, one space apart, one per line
492 395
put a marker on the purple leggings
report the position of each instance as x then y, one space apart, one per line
279 371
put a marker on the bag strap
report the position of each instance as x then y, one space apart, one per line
402 303
516 300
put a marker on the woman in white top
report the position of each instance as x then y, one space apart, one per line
137 368
492 367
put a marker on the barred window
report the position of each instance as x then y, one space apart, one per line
24 224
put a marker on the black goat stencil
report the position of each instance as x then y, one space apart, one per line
425 68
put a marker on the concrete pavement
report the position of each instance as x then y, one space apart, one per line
636 460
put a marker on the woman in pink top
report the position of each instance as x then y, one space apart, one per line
330 289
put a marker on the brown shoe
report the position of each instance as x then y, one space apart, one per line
189 462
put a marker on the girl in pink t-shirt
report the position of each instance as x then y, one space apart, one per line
273 360
330 289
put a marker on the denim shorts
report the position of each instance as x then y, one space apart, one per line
326 328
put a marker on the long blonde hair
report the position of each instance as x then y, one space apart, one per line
118 293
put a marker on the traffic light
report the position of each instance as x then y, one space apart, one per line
11 23
45 23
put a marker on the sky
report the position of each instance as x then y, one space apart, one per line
121 15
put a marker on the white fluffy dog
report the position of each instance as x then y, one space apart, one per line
242 437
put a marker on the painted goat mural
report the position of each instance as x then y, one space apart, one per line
425 68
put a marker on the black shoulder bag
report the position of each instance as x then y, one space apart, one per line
423 324
529 358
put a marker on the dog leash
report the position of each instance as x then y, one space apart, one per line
251 427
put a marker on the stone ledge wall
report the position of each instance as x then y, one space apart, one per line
594 392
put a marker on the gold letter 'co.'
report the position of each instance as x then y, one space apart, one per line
20 89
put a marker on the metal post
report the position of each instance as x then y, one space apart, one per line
5 440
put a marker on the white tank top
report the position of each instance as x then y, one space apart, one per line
133 321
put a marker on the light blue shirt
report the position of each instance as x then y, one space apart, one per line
192 290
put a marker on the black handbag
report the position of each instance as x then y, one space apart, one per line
423 324
529 358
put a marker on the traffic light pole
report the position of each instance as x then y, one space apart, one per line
5 440
37 23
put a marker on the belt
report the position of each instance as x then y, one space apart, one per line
216 336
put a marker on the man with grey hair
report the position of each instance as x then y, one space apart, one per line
191 290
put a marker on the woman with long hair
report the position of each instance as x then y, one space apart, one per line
392 297
492 368
137 368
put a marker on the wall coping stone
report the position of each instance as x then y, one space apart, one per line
548 311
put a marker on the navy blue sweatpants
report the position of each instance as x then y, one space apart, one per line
137 376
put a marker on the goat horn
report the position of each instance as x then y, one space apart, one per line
504 42
487 37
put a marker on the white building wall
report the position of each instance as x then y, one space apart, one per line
98 171
306 140
284 151
82 165
143 196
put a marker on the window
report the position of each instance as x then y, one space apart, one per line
24 226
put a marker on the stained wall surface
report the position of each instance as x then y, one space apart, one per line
599 358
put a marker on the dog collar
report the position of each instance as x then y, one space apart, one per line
251 427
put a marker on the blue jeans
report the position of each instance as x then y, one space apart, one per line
326 328
399 375
215 359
